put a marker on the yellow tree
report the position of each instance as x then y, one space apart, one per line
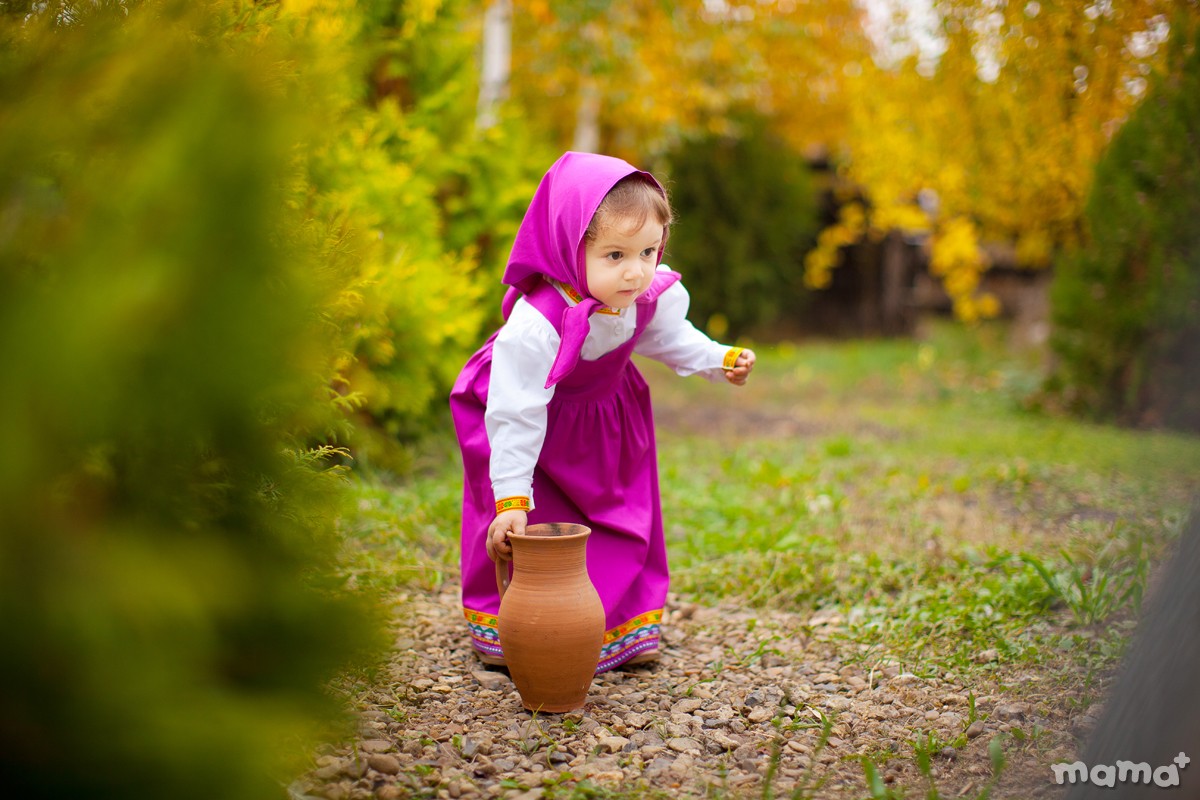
1002 133
632 77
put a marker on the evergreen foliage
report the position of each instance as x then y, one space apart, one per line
1127 305
746 211
169 622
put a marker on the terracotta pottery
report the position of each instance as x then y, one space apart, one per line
551 620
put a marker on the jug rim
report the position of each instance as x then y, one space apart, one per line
553 530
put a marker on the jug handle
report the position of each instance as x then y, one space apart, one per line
502 580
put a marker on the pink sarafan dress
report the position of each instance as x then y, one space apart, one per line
598 467
597 463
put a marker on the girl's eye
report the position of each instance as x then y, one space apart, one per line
615 255
649 251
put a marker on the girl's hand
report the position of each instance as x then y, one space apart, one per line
741 368
506 522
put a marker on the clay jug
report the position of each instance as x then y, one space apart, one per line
551 620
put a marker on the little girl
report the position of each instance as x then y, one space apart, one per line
552 416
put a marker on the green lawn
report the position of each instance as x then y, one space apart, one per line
908 486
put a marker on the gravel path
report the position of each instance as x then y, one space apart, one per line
734 709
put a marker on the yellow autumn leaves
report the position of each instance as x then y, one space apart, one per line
1003 133
997 132
957 258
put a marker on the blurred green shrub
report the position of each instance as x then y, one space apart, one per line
1126 307
169 626
746 211
419 209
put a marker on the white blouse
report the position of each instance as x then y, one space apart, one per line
524 351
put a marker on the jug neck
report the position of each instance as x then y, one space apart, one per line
550 555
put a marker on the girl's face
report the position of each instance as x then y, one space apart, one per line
621 262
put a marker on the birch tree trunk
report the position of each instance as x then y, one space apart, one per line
587 118
496 61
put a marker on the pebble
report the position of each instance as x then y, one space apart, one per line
645 738
444 726
760 715
1012 711
609 776
388 765
637 720
682 767
613 744
684 745
949 719
836 702
495 681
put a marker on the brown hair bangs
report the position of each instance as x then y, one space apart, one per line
632 200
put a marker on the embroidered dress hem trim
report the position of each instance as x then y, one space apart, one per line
484 634
620 643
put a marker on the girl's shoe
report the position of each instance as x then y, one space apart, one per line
491 661
645 657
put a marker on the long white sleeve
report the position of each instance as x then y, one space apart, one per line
517 398
522 356
671 339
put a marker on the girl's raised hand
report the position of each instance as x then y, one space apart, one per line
512 521
741 368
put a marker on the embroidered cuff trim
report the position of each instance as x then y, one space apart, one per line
510 503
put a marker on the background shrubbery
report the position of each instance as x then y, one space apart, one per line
1127 305
167 627
241 246
416 209
747 211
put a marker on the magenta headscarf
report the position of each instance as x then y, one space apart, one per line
550 243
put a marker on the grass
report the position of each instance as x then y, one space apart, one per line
908 488
907 485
